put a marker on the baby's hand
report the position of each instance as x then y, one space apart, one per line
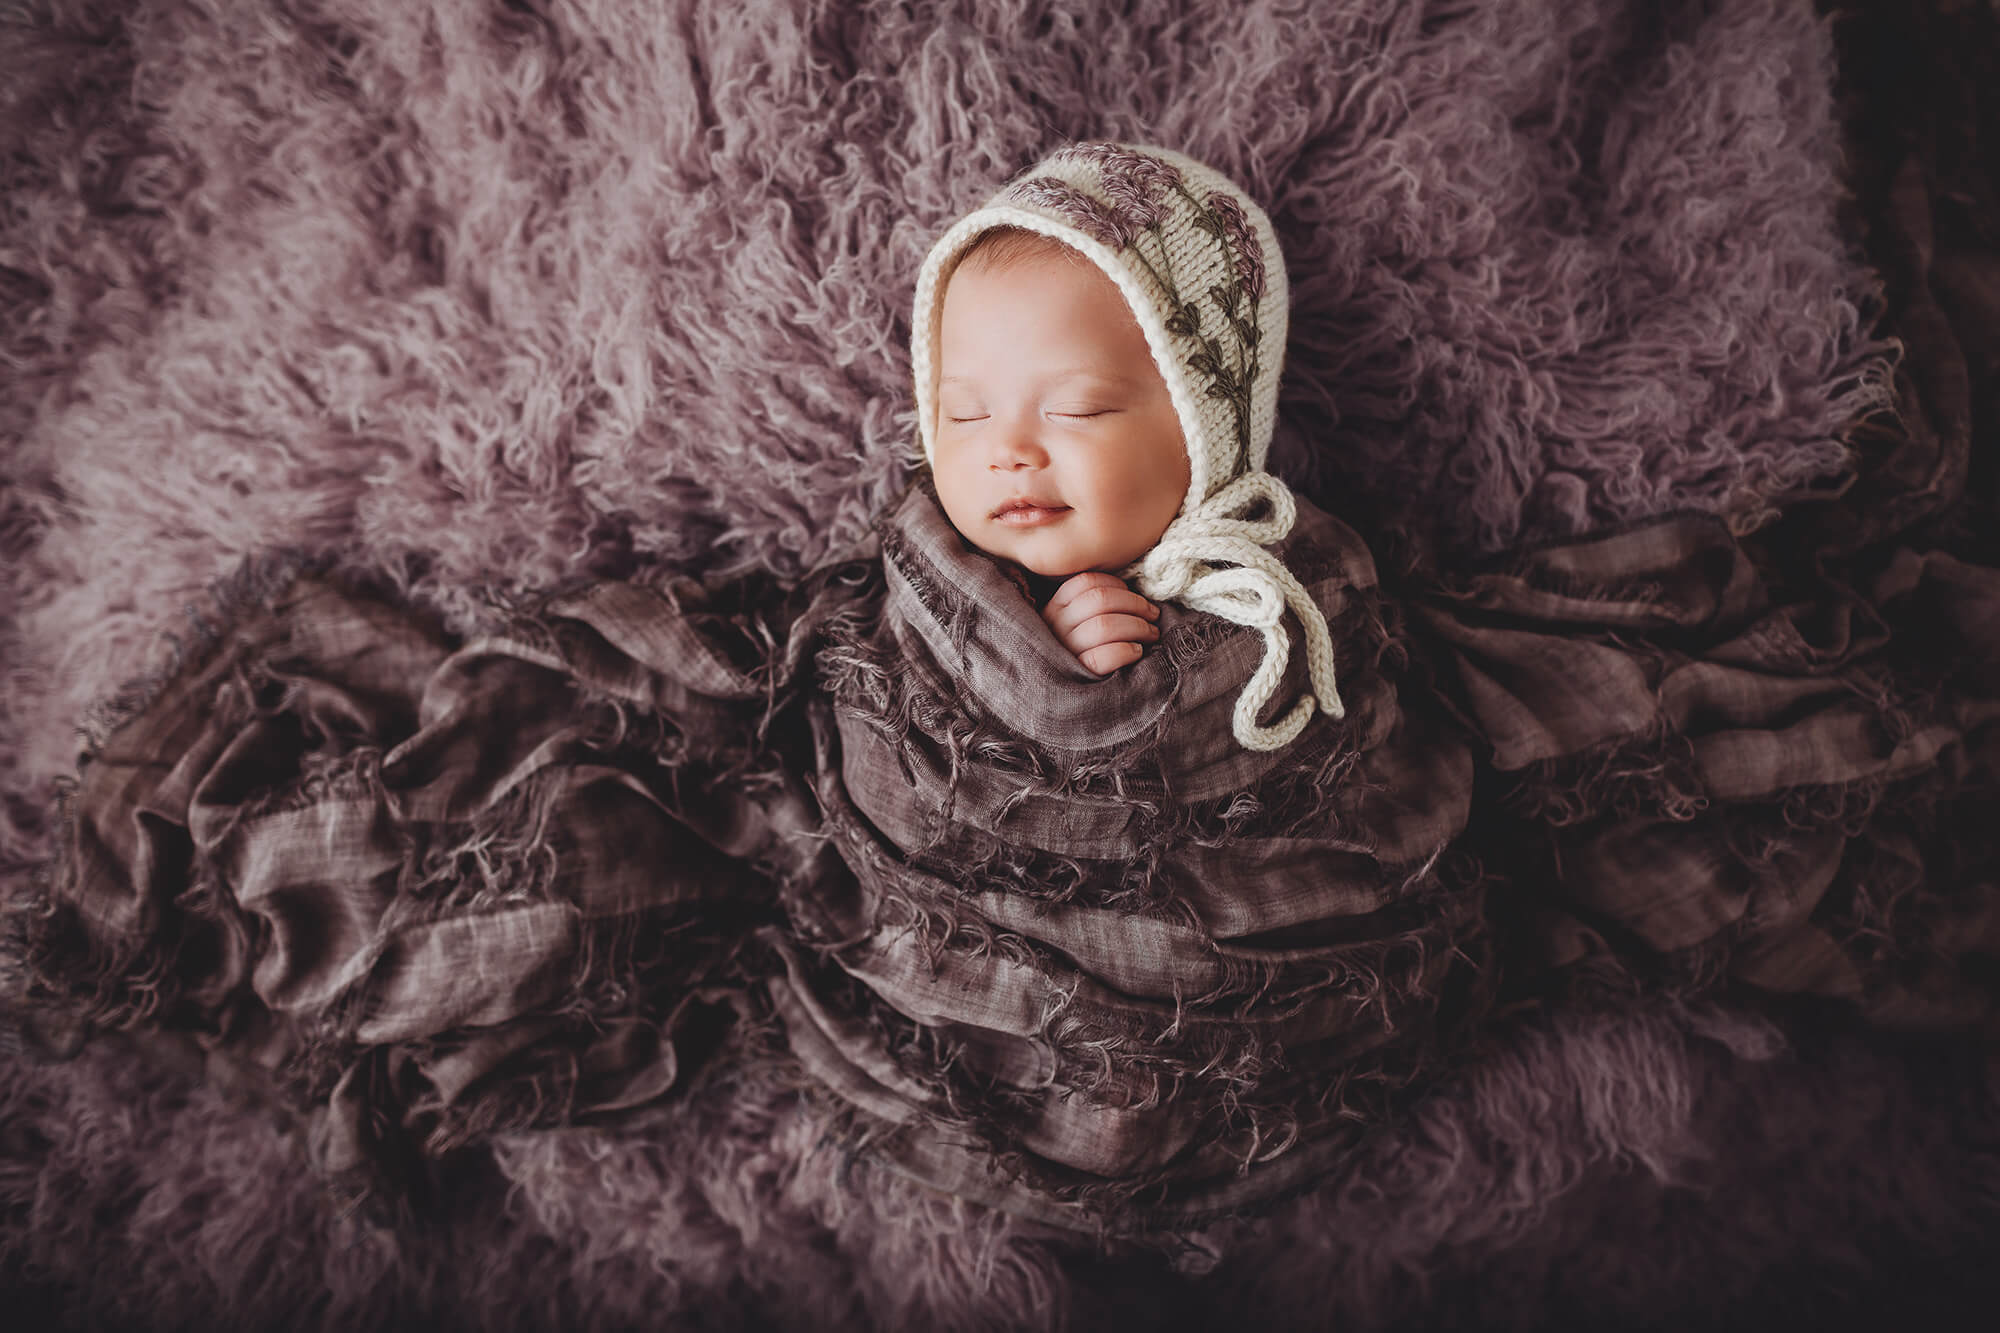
1102 621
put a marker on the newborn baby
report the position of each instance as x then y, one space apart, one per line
1137 900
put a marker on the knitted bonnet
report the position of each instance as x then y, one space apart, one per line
1200 268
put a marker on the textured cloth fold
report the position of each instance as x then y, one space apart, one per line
443 891
1135 976
1055 941
1725 778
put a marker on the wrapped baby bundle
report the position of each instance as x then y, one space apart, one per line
1128 938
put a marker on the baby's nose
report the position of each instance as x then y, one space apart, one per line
1018 451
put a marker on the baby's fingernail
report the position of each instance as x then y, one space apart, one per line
1153 610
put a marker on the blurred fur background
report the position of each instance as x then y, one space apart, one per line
484 294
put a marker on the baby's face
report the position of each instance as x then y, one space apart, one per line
1048 396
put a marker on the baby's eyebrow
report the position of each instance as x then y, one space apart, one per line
1060 377
1106 376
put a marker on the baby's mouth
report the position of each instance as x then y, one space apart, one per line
1026 513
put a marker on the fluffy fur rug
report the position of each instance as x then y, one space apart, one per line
484 294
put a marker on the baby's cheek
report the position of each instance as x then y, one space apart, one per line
952 498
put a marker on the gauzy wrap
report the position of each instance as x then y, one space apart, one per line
1135 962
1051 941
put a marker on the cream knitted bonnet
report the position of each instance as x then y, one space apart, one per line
1199 265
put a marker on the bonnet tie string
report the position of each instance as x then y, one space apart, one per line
1212 559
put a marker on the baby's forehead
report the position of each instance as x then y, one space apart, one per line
999 248
1048 284
981 283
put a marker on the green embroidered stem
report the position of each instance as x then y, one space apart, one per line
1224 382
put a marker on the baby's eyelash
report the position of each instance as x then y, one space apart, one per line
1072 416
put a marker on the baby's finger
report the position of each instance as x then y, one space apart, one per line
1098 601
1110 629
1077 584
1109 657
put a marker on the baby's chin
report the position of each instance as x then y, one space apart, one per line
1051 560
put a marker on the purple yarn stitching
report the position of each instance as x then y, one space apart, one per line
1249 254
1101 223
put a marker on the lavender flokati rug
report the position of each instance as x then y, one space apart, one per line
487 294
